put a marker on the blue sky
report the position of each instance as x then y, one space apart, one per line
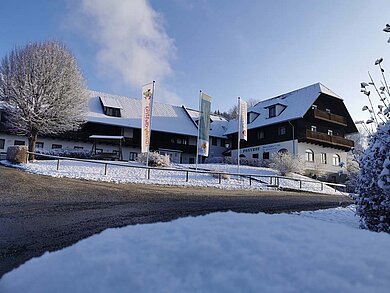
253 49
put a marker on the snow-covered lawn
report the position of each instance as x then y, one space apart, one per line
121 173
320 251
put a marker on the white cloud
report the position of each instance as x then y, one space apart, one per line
133 46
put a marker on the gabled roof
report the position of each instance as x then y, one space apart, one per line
218 124
166 118
297 103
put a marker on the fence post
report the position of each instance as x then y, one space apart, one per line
58 164
148 173
219 178
277 178
250 180
300 184
187 176
105 169
322 186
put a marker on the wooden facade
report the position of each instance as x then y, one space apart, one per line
326 123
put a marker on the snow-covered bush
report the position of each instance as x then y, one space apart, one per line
214 160
352 170
70 153
373 183
155 159
286 163
233 161
17 154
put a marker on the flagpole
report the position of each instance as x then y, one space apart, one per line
150 127
238 136
197 140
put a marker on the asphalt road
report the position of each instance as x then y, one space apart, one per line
41 213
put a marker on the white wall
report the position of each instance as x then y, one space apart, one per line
300 149
328 167
107 148
271 148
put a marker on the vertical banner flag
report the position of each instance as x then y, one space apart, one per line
204 125
146 105
243 108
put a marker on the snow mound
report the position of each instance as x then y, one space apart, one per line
221 252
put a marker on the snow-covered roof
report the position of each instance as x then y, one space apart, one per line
114 137
293 105
218 124
166 118
111 102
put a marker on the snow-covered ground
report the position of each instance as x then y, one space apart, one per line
121 173
321 251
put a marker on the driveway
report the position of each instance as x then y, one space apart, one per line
41 213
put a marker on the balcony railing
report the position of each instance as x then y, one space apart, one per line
328 139
323 115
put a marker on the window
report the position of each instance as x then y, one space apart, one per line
309 155
330 132
251 116
313 128
78 147
214 141
56 146
255 156
98 151
282 130
336 160
222 142
2 143
314 106
133 156
272 111
283 151
19 142
192 161
2 117
39 145
323 158
115 112
327 110
266 156
182 140
260 134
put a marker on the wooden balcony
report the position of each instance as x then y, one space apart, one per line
323 115
329 140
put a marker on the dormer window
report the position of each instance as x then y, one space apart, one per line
251 116
272 111
111 106
275 110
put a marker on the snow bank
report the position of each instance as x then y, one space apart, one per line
221 252
123 174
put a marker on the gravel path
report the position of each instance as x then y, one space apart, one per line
41 213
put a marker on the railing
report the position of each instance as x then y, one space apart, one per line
268 180
323 115
331 139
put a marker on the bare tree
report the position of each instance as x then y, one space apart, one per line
233 111
43 90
